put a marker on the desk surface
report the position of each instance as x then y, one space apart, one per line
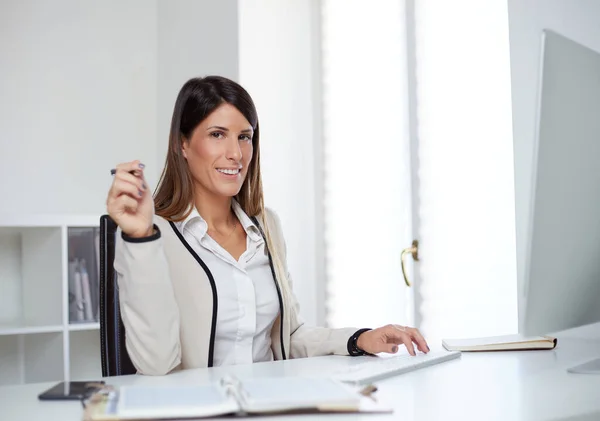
530 385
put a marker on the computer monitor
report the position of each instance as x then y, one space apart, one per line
562 285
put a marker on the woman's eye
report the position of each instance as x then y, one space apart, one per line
246 138
217 135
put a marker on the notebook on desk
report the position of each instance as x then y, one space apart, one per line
501 343
228 397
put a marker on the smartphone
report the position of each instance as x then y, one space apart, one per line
70 390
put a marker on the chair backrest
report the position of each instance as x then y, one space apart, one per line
115 359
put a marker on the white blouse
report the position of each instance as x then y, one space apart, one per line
247 298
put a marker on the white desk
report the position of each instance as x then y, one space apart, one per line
531 385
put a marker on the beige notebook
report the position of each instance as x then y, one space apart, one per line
500 343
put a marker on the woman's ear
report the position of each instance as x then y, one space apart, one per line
184 146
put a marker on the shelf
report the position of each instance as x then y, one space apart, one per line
31 277
84 350
27 330
43 359
75 327
11 361
48 220
31 358
49 268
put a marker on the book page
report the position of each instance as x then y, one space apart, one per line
152 402
292 393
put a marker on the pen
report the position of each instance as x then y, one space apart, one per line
114 171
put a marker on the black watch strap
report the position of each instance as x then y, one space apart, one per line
353 349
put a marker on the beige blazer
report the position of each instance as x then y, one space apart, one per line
168 302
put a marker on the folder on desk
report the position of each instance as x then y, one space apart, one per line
229 396
501 343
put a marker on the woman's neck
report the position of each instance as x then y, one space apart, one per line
215 210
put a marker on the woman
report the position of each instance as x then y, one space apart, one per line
202 269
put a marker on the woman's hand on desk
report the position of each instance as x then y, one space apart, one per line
129 201
387 339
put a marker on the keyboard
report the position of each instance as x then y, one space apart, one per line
377 368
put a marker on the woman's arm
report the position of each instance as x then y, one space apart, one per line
147 302
305 341
310 341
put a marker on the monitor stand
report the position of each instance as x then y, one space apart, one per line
590 367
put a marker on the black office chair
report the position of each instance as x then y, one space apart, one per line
115 359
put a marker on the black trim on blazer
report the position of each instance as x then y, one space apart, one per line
276 284
152 237
211 349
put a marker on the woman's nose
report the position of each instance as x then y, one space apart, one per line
234 152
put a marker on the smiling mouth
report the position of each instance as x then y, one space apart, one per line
229 171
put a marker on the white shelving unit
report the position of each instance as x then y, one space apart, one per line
38 342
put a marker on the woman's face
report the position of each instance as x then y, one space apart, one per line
219 151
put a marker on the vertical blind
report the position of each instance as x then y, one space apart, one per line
366 165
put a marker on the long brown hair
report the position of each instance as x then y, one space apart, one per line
175 191
196 100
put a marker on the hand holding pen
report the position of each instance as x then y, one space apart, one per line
130 203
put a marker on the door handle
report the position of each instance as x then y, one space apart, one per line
414 251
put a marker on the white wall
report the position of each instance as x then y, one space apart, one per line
195 38
279 68
86 85
576 19
78 94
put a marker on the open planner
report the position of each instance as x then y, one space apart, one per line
227 397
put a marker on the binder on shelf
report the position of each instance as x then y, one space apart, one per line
79 300
85 286
73 300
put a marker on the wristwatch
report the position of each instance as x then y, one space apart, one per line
353 349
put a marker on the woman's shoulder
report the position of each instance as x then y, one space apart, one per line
270 218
